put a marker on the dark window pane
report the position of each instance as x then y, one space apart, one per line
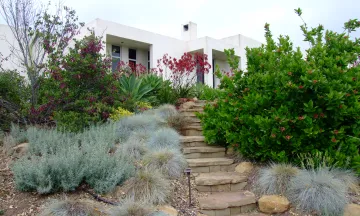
115 62
148 66
132 54
148 55
115 51
199 74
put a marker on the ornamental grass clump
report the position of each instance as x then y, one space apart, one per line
164 138
170 162
138 123
129 207
276 178
318 191
150 186
165 111
134 148
68 207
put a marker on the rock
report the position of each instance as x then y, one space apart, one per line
169 210
273 204
352 210
187 105
20 150
199 214
244 167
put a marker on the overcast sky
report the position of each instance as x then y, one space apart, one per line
220 18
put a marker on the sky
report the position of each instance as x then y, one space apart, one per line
221 18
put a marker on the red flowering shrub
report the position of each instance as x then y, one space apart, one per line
286 104
184 72
79 90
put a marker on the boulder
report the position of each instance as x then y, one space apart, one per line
273 204
244 168
169 210
352 210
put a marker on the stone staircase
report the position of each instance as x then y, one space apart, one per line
214 173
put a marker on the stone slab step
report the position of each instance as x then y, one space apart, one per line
191 132
227 203
192 141
190 127
204 155
209 162
220 182
194 109
205 149
219 178
188 114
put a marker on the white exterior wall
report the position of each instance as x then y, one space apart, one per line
158 45
7 37
224 67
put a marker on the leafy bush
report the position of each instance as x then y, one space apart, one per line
129 207
276 178
14 98
164 138
204 92
68 207
149 186
287 104
80 88
170 162
319 192
120 113
166 94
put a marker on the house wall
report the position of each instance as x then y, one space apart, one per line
224 67
6 37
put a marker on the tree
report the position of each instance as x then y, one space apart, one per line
38 35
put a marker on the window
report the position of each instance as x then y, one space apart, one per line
186 27
149 60
132 58
115 56
199 74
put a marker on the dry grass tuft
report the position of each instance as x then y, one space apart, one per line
68 207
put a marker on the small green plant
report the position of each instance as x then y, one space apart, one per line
276 178
129 207
204 92
318 191
119 113
170 162
68 207
164 138
2 212
149 185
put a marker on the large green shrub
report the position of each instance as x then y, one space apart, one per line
14 98
288 103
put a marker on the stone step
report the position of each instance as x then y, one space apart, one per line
194 109
206 165
192 141
227 203
203 152
188 114
191 132
220 182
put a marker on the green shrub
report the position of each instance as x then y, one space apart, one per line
2 212
150 186
164 138
287 104
276 178
167 94
204 92
129 207
319 192
68 207
14 98
170 162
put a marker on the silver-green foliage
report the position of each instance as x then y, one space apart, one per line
164 138
134 147
165 111
67 207
141 123
150 186
60 161
170 162
129 207
276 178
318 191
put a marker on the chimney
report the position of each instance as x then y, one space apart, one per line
189 31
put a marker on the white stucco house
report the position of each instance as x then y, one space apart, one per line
138 46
